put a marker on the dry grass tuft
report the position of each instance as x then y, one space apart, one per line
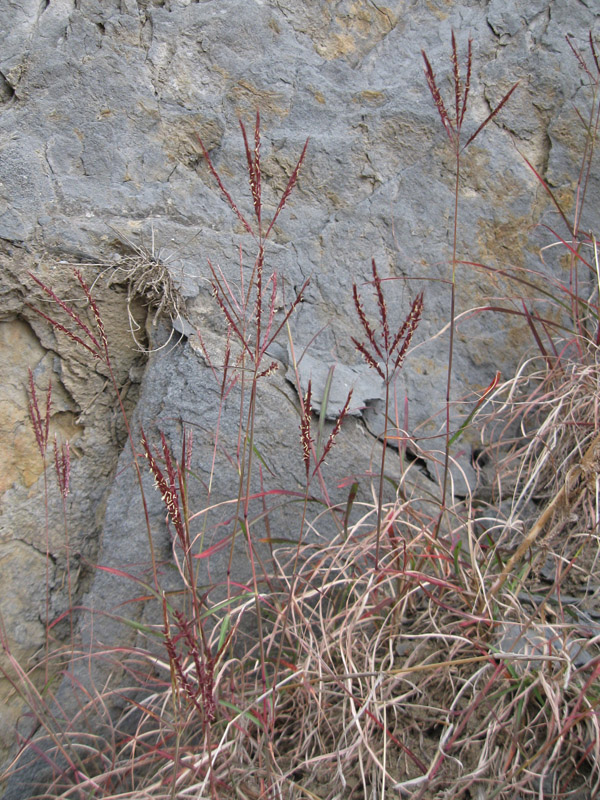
148 277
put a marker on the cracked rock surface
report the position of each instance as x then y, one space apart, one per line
101 106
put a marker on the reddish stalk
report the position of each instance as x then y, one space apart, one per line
41 429
385 355
453 124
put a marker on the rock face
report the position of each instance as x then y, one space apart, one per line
101 106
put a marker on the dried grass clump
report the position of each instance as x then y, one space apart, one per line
554 465
147 275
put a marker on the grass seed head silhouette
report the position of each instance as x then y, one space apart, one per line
382 353
251 317
453 124
40 423
386 356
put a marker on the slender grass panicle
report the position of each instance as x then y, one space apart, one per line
62 466
99 349
594 76
305 433
254 176
168 485
337 426
40 424
306 438
386 356
199 684
453 127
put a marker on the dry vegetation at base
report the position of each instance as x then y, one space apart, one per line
435 648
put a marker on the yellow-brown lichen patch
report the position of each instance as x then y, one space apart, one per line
181 137
402 137
335 46
370 97
565 197
247 98
19 454
274 25
504 242
439 8
352 29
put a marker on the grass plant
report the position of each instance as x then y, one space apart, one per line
452 122
398 658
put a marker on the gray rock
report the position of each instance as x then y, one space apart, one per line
533 645
336 381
